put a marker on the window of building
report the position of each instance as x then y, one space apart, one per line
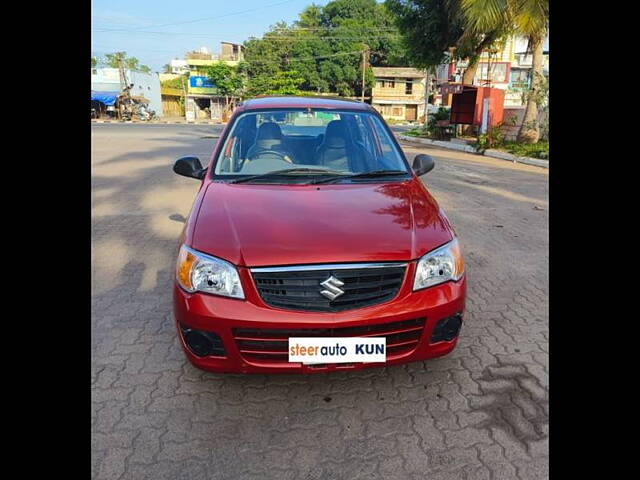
499 73
384 109
397 112
519 79
408 89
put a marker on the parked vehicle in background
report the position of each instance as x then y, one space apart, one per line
98 109
311 224
143 113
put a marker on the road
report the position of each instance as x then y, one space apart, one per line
479 413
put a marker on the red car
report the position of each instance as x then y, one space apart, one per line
310 223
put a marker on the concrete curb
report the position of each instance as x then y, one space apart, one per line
438 143
469 149
158 122
538 162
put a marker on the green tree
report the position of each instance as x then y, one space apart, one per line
177 82
112 60
324 46
166 68
529 18
435 32
354 24
229 81
282 83
94 62
268 55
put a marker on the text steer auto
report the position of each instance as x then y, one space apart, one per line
312 245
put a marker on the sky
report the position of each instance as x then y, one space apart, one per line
155 31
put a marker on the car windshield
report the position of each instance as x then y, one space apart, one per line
307 142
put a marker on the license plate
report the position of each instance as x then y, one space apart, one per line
313 350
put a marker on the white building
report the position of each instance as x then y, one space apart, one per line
145 85
179 67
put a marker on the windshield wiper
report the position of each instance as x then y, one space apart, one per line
372 174
285 172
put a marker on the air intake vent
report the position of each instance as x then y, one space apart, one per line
447 329
202 343
271 345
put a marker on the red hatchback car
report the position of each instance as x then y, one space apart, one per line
310 223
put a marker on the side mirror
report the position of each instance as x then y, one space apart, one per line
423 164
189 167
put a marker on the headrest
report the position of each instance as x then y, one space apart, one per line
268 143
269 131
336 134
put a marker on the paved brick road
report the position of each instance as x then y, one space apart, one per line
479 413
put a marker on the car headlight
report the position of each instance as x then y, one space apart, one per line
197 272
440 265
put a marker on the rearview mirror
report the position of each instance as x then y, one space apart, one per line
189 167
423 164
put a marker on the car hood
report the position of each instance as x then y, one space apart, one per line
265 225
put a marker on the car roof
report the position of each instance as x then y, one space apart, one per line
333 103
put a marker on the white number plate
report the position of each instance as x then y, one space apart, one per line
311 350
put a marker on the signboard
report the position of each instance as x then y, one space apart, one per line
451 88
201 84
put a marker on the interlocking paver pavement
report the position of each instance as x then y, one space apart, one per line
479 413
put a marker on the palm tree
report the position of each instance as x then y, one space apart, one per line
529 18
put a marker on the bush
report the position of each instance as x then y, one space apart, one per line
178 82
416 132
534 150
442 113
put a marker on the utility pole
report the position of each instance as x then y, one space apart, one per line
184 93
364 67
427 88
123 82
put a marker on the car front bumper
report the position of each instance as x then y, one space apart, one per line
223 316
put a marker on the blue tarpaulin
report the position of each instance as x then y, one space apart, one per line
108 98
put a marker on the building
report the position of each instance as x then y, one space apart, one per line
508 68
231 52
398 93
202 99
172 102
145 85
179 67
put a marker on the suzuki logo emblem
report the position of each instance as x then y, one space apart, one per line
332 286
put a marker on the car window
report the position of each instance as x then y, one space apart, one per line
364 133
340 141
385 147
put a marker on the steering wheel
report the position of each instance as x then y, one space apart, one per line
273 152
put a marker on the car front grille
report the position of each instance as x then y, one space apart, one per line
299 288
271 345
